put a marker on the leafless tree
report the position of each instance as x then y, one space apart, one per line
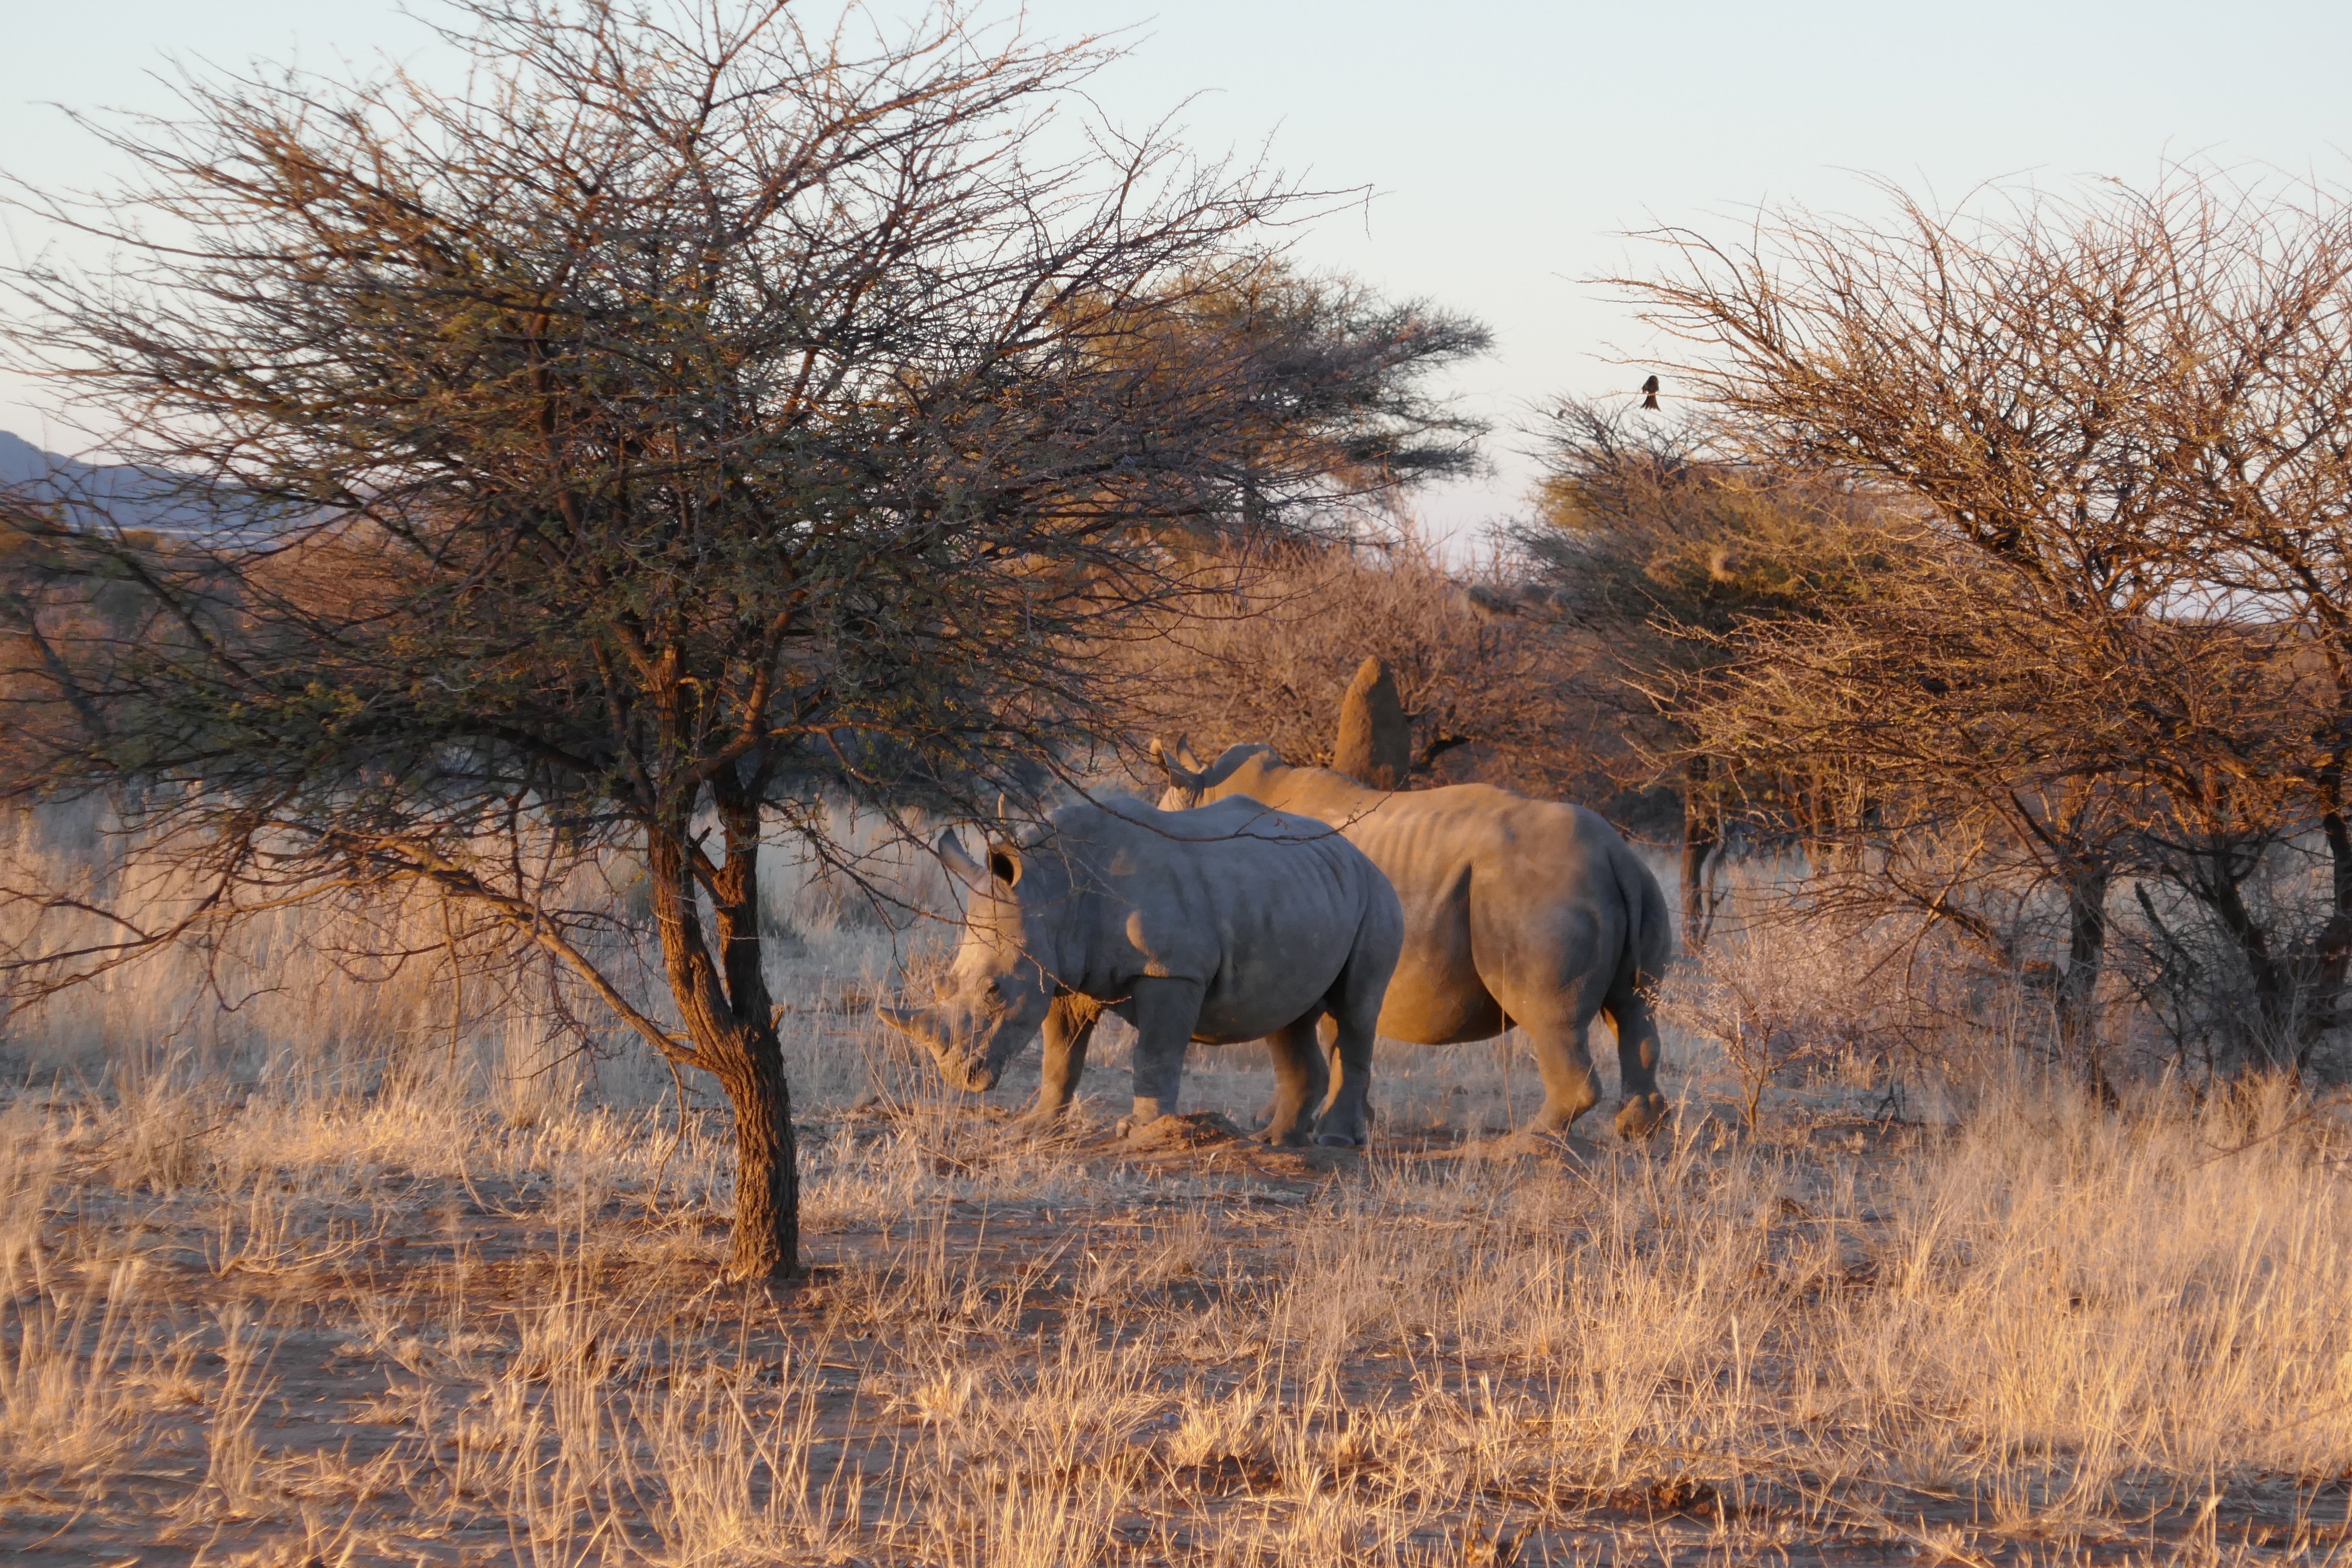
690 416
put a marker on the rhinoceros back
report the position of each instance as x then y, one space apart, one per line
1263 909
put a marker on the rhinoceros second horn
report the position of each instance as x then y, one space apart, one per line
1375 745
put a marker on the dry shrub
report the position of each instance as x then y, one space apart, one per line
29 1158
1785 989
62 1402
1264 647
1217 1428
735 1478
384 1020
2126 1292
235 1476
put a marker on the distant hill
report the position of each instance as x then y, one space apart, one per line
22 462
128 495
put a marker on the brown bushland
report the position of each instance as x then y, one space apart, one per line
1268 643
329 1233
2112 739
590 471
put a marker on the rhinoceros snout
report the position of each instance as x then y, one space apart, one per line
962 1063
977 1076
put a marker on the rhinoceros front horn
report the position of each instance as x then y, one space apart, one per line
966 869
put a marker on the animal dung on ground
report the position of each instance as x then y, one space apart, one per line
1186 1129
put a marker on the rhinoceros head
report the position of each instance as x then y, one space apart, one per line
997 994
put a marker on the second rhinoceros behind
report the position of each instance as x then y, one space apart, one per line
1230 923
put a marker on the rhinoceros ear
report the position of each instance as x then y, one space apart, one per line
966 869
1004 863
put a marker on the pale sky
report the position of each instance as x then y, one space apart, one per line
1509 145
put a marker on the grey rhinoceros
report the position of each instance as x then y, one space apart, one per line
1223 926
1516 911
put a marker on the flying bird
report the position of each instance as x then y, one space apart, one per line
1650 393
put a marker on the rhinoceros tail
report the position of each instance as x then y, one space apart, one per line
1632 995
1649 922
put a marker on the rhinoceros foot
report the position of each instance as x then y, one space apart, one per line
1640 1115
1296 1132
1344 1127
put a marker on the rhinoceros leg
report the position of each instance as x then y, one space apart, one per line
1637 1061
1165 1013
1355 1007
1349 1117
1301 1080
1069 1027
1564 1060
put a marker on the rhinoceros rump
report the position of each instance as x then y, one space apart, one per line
1222 925
1516 911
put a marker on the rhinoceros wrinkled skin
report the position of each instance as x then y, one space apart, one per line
1516 911
1220 925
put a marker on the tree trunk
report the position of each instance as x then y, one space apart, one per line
2277 998
1702 837
724 1002
2078 988
767 1239
2339 864
2332 951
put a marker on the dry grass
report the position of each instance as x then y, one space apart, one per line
295 1303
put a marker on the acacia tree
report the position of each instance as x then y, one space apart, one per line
1651 542
2121 419
690 414
1336 380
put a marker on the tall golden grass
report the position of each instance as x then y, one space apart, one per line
282 1286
